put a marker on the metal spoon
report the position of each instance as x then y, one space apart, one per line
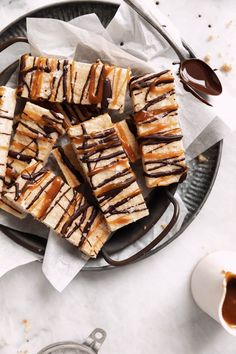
196 75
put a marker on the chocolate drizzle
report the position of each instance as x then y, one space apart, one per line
20 156
107 93
158 99
69 164
65 71
82 209
154 139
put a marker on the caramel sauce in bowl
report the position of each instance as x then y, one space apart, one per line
229 303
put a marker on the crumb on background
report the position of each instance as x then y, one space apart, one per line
228 24
27 325
201 158
163 226
3 343
226 68
207 58
210 38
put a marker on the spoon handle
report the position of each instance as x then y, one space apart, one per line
180 51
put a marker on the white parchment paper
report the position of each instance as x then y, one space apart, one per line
128 41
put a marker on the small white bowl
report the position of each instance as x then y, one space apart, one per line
209 282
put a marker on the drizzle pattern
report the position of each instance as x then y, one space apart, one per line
108 172
158 128
50 200
55 80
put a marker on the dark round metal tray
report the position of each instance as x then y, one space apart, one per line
194 190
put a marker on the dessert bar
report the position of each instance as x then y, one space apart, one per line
36 133
158 128
107 169
48 199
58 80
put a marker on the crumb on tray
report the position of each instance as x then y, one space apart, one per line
201 158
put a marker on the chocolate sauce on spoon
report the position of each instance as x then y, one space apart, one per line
198 75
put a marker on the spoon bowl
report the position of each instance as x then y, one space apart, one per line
200 76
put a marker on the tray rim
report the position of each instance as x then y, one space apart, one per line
219 144
44 7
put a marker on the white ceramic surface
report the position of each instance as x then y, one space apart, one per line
209 282
146 307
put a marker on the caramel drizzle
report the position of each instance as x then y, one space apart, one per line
97 97
148 116
51 194
127 147
2 91
118 92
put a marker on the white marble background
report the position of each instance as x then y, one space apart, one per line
146 307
